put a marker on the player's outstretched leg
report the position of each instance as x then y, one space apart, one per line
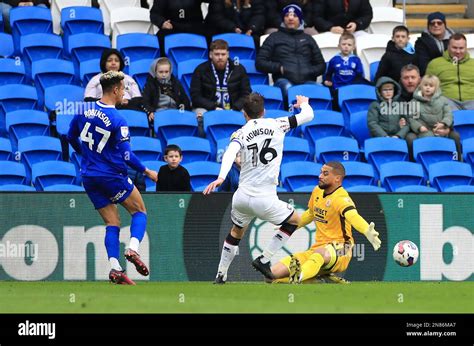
295 271
230 248
134 258
120 278
263 268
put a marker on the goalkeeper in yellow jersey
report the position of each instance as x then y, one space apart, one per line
334 213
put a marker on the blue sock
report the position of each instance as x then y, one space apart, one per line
138 226
112 242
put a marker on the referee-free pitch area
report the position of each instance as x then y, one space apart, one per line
235 297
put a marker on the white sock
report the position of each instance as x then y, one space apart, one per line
134 244
115 264
279 239
227 256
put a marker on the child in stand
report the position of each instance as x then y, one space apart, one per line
173 176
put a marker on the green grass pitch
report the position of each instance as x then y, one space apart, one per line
204 297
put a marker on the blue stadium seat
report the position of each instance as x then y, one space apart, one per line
397 174
380 150
319 95
240 46
464 123
181 47
25 123
272 95
276 113
365 188
449 173
154 165
281 189
12 71
83 47
174 123
193 148
64 188
295 149
355 98
1 24
137 122
62 122
28 20
255 76
49 173
36 149
468 150
221 124
140 70
17 188
63 98
359 128
14 97
202 173
336 148
12 173
221 147
51 72
358 173
5 149
430 150
416 188
146 148
36 47
299 173
373 70
324 124
305 188
88 69
460 188
6 45
186 69
138 46
79 20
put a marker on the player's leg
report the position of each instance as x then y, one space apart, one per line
290 266
136 207
229 250
344 252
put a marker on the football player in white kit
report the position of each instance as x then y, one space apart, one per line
260 143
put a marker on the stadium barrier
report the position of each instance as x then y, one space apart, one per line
59 236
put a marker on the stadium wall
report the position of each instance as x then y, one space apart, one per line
59 236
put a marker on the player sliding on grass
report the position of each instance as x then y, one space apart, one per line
334 213
105 148
260 142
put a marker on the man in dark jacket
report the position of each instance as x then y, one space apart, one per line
273 14
177 16
292 56
433 42
339 15
219 83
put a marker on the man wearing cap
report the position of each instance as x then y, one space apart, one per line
433 42
290 55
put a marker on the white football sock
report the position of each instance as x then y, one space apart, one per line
227 256
279 239
114 264
134 244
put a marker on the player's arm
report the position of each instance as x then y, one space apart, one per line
362 226
227 161
73 136
306 218
134 162
306 114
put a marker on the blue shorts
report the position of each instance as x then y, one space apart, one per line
103 191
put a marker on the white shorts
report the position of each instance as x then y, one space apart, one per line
268 208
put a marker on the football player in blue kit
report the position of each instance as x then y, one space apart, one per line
106 153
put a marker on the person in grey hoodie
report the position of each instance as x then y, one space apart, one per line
434 117
385 118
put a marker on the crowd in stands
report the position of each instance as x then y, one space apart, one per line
436 73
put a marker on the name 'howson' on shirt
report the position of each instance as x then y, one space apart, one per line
259 132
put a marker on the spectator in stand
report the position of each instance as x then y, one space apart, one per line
384 118
409 79
275 7
435 117
177 16
7 5
400 52
338 16
237 16
163 90
433 42
112 60
173 176
218 84
455 70
344 68
290 55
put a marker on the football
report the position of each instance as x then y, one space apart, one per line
405 253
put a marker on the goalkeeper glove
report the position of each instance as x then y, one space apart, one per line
373 236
